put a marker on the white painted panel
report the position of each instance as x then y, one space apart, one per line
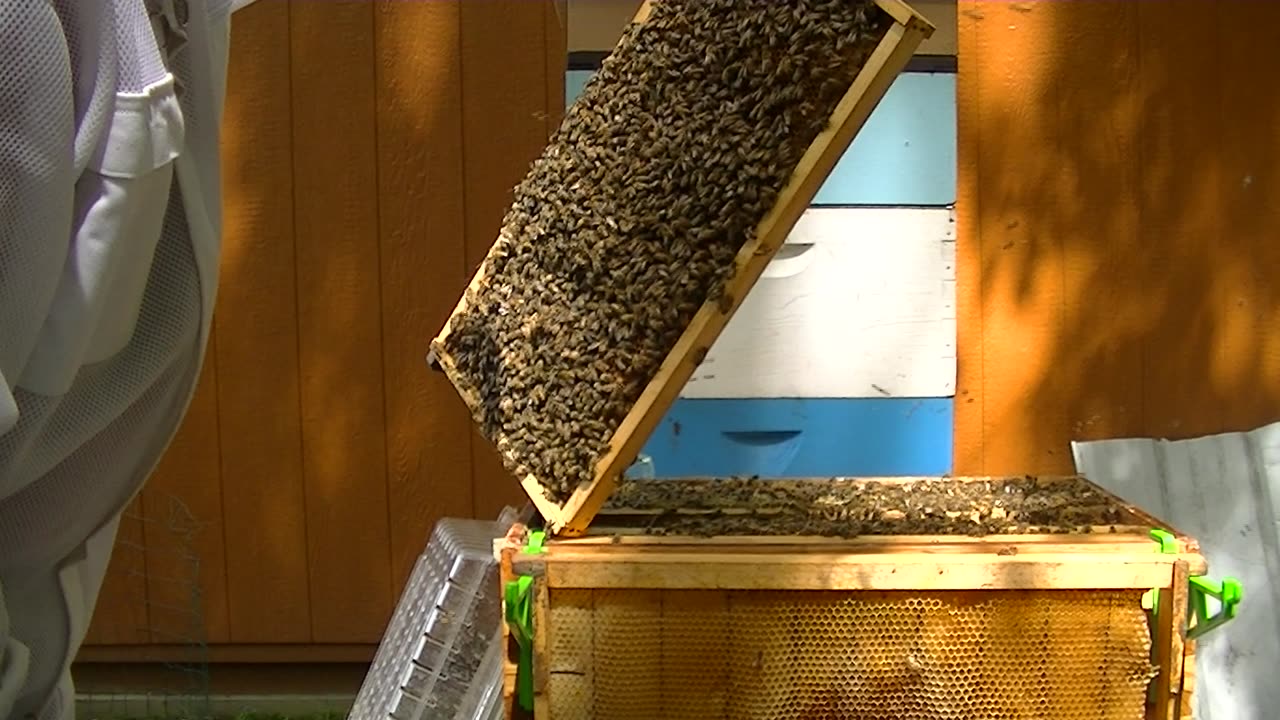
1223 490
859 303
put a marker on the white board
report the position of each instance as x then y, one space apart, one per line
1223 490
859 303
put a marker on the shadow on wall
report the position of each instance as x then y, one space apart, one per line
1119 210
343 216
370 152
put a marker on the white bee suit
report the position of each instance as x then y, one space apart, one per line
109 241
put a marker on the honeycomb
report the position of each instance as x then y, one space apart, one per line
634 216
805 655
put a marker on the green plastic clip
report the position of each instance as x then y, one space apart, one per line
1168 543
518 596
1228 593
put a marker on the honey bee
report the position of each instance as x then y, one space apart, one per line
634 215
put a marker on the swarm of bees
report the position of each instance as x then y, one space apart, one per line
676 150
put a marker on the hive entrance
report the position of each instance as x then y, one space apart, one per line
675 177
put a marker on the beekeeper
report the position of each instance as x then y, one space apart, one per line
109 236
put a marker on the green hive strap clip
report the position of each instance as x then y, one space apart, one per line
1168 543
1228 593
519 615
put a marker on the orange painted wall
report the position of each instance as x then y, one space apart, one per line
1119 225
370 149
1119 176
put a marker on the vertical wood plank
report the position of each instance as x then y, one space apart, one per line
1170 636
264 502
120 616
1250 145
339 318
186 552
1141 129
1024 422
1053 302
1189 680
1093 207
541 671
1178 639
420 205
1182 227
505 120
972 46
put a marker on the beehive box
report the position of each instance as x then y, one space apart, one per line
871 599
673 180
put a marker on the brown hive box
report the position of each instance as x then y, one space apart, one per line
871 599
670 185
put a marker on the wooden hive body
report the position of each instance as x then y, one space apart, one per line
636 619
645 393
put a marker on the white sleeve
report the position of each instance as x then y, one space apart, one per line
37 182
220 52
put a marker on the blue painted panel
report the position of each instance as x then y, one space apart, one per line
904 155
574 80
803 437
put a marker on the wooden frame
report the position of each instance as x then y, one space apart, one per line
868 88
1135 526
983 567
1117 557
1187 698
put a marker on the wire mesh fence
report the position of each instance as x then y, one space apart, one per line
155 590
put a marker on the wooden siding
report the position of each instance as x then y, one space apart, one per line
370 150
1117 171
1119 166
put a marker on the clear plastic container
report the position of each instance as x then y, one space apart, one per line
484 699
440 658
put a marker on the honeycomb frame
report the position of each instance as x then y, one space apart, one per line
617 590
572 517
